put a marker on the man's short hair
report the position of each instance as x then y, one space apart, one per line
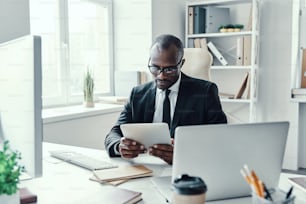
166 40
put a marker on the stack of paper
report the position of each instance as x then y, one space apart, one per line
122 173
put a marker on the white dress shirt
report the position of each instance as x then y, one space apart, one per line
159 101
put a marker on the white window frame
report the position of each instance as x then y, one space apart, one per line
66 97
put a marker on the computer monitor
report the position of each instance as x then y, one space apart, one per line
21 99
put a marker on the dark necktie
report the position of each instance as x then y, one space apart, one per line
166 108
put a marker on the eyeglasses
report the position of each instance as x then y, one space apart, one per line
156 70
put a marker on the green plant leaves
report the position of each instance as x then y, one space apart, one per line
10 169
88 86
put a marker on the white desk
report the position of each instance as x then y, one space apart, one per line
64 183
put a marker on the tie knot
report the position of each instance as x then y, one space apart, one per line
167 92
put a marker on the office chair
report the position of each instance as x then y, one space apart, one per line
197 63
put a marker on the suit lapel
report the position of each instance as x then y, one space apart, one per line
150 104
180 103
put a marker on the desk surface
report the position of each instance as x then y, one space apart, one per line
64 183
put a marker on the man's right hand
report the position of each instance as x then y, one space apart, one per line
130 148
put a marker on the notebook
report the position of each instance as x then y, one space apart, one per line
122 173
216 153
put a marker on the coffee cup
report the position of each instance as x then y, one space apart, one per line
188 189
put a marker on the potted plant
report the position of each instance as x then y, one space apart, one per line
88 89
238 27
230 27
222 29
10 171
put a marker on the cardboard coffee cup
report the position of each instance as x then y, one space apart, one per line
188 189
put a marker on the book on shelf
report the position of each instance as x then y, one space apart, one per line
298 91
249 25
226 95
246 94
216 16
197 43
200 43
199 20
216 53
303 74
239 51
206 19
242 87
190 20
247 44
203 43
299 182
122 173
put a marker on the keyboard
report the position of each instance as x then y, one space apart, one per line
82 160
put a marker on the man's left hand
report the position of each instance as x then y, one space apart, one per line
163 151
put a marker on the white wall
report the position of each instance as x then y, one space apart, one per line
82 132
137 22
168 17
14 19
132 34
275 69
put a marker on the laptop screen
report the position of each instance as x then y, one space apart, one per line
216 153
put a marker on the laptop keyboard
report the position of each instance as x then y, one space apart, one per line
82 160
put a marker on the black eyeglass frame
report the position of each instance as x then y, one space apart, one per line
166 70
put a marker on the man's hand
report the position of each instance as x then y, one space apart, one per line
163 151
130 148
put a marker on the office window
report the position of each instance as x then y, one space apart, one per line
76 35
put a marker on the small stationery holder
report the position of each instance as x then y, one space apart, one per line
278 196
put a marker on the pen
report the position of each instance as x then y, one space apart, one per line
268 195
246 177
257 184
289 192
261 188
247 170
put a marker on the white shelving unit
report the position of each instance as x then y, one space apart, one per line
230 77
299 42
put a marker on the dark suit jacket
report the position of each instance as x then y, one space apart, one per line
197 103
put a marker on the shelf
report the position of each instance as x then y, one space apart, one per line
230 67
240 49
216 2
226 100
298 100
230 34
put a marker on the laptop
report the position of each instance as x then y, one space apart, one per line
216 153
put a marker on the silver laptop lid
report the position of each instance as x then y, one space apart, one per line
216 153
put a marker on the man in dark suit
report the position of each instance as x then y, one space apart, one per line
191 101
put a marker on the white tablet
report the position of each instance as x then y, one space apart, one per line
147 134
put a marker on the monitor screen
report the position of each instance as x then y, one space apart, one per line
21 99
